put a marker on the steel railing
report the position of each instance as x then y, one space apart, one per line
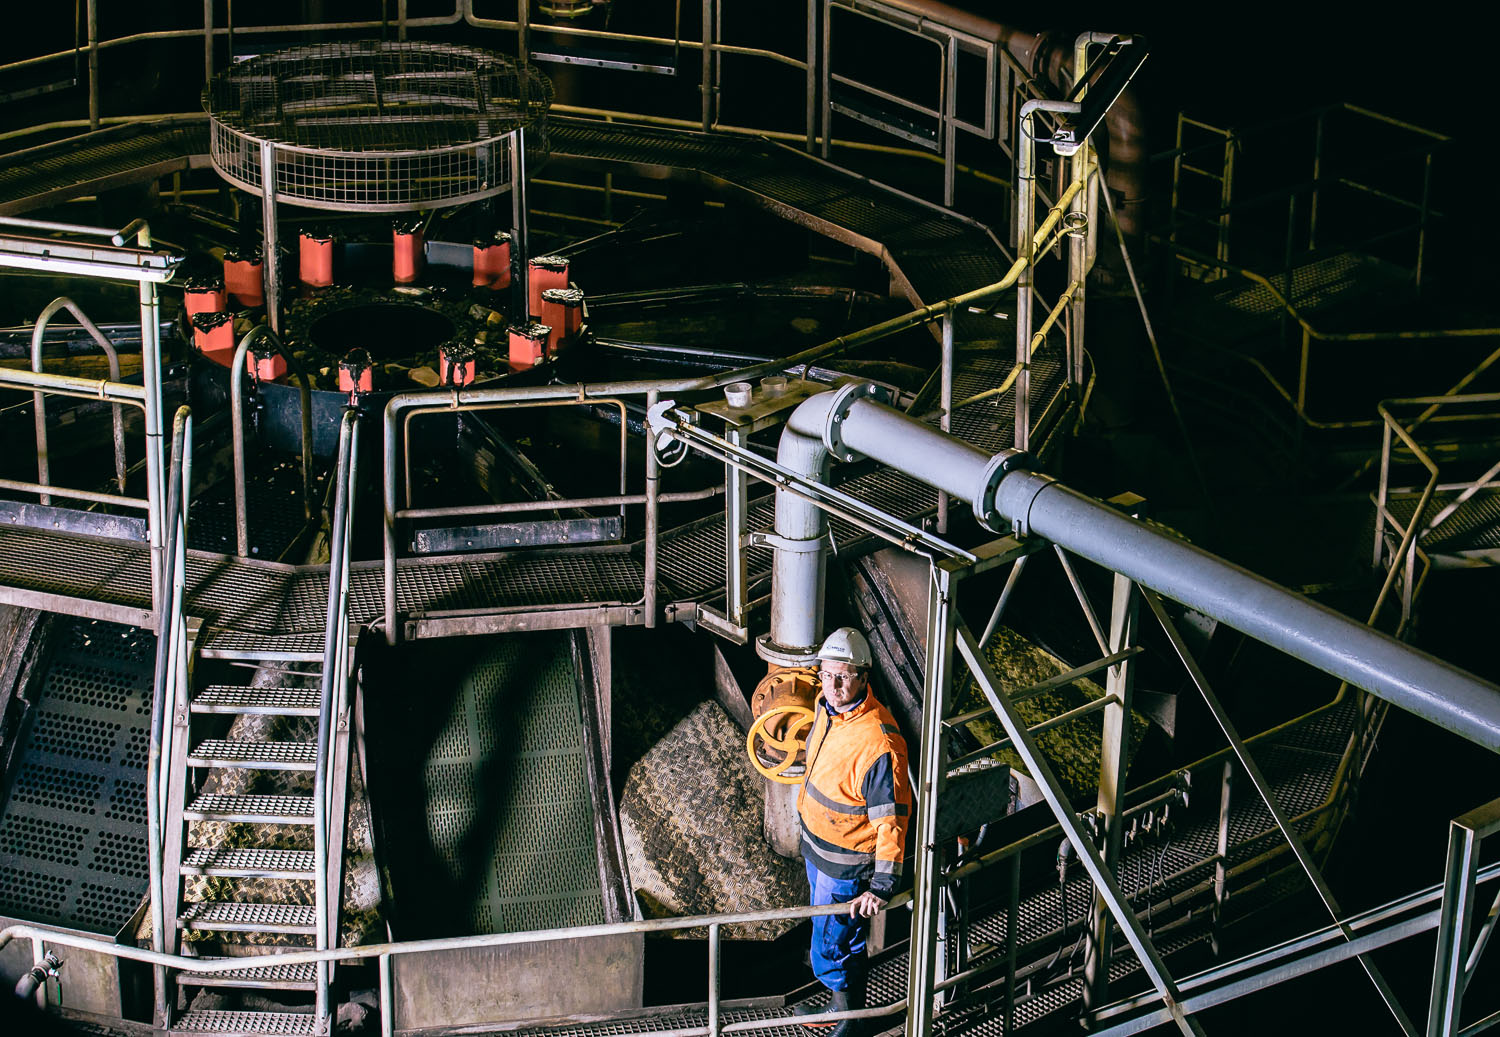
256 334
1402 560
170 691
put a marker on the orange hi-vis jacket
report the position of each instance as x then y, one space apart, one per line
855 800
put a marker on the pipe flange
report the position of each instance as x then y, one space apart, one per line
772 652
1002 464
838 410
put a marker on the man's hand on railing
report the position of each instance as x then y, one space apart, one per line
866 904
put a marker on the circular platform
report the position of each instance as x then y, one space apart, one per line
374 126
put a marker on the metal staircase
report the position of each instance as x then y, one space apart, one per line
254 818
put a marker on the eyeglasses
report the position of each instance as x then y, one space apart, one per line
838 679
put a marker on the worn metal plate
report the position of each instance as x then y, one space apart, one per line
498 536
73 520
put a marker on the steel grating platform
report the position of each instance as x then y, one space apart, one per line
94 162
1472 531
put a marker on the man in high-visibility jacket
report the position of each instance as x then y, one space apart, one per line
855 805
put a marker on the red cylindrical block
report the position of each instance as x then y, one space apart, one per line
562 311
266 365
544 272
316 259
356 372
213 334
456 365
243 278
492 262
204 295
528 344
408 254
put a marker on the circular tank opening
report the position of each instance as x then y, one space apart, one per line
387 330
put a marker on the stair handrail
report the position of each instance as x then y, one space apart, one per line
237 426
39 399
170 680
334 690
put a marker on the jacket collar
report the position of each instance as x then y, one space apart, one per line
860 708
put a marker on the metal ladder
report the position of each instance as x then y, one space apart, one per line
214 850
1184 219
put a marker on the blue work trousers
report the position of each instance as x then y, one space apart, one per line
838 941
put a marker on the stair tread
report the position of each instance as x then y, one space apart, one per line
228 698
217 806
216 859
220 914
304 973
291 1023
274 755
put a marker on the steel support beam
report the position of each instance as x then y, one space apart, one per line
1104 881
1460 879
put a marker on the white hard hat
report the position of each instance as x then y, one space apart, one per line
846 645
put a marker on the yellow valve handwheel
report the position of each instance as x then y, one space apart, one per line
789 744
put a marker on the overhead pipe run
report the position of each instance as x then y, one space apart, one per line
852 422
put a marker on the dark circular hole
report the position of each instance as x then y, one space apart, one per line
387 330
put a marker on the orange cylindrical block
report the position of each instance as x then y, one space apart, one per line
243 279
492 262
267 366
562 311
408 254
544 272
356 372
456 365
204 296
528 344
213 334
315 252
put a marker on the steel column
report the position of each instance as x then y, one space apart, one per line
1268 796
932 771
707 84
93 30
810 113
653 521
1114 761
1104 881
270 250
945 406
520 250
1078 262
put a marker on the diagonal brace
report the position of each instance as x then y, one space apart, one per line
1268 795
1104 882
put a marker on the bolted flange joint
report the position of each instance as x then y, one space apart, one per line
1006 461
838 410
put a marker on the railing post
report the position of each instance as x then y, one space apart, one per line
1114 760
823 93
713 979
208 41
707 84
950 129
810 112
1449 976
945 405
933 766
93 30
1025 252
653 519
736 506
1422 217
1221 852
1078 263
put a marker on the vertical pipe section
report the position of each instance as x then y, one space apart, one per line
270 250
932 770
1113 762
800 562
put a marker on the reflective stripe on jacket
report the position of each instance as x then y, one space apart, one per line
855 800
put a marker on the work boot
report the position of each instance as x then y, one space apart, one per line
838 1001
854 999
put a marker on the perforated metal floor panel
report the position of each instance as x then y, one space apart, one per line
508 775
73 827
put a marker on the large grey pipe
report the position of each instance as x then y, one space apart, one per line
848 423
